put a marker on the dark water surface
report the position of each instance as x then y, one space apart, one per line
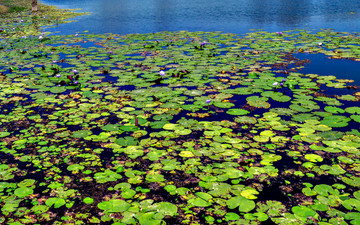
233 16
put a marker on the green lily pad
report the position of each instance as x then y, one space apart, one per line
81 134
351 204
171 126
353 110
245 205
186 154
250 193
313 158
356 118
353 181
231 216
183 131
246 120
199 202
148 218
333 109
23 192
129 128
4 134
167 208
237 112
111 127
114 206
88 200
224 104
323 189
75 167
55 202
127 141
303 211
106 176
57 90
335 121
128 193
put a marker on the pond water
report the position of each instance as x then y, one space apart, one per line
234 16
322 65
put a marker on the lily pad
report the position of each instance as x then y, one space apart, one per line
224 104
237 112
114 206
245 205
55 202
23 192
303 211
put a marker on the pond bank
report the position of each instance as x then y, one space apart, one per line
19 21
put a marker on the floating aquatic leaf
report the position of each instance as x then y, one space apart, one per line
199 202
107 176
224 104
186 154
88 200
249 193
353 181
313 158
170 126
167 208
148 218
355 118
237 112
114 206
57 89
231 216
155 177
353 110
127 141
244 204
129 128
23 192
4 134
351 204
128 193
323 189
75 167
111 127
335 121
333 109
183 131
303 211
55 202
246 120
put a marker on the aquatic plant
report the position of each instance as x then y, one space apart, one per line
132 147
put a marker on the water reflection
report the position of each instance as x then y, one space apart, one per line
235 16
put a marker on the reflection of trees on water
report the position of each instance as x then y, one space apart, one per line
297 12
112 15
210 15
292 12
337 9
165 14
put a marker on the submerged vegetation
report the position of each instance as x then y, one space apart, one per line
176 128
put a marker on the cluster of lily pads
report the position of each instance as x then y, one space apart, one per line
177 128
